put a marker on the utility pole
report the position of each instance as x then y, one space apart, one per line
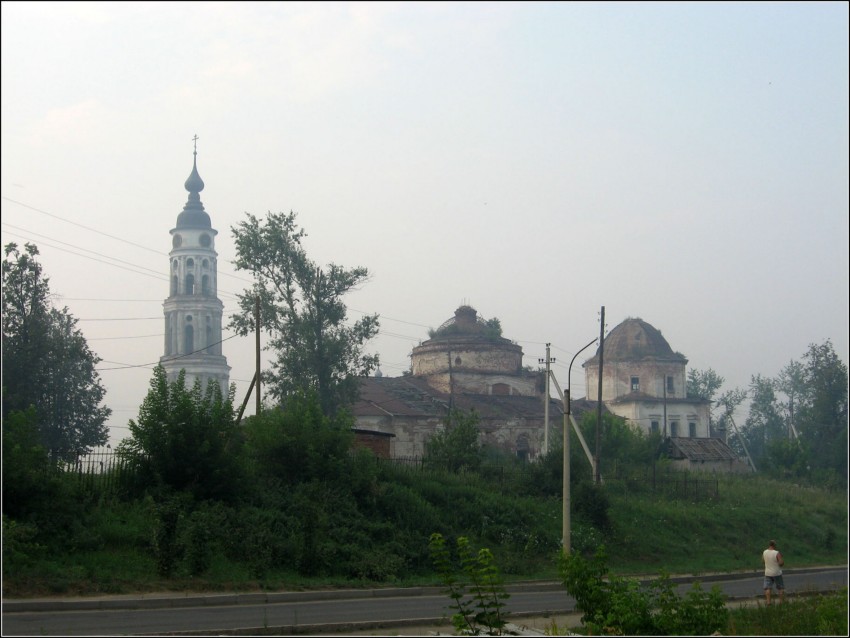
257 332
599 395
546 402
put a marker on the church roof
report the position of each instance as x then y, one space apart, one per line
700 449
465 325
633 340
193 214
410 396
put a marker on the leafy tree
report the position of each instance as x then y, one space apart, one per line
792 383
298 443
457 446
186 439
704 384
764 423
47 362
823 417
25 464
729 402
302 310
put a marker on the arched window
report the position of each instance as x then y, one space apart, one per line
174 285
190 284
190 263
168 336
189 339
205 285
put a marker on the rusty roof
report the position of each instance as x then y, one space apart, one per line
412 396
633 340
701 449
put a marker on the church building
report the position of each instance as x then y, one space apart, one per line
193 311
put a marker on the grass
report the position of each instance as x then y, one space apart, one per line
109 549
819 615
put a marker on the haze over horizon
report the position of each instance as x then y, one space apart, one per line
685 163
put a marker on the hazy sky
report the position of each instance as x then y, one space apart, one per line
682 163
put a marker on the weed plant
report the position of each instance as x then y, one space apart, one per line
332 518
817 615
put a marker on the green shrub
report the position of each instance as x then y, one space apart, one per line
612 604
484 609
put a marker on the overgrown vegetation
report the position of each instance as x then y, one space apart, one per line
615 605
311 511
818 615
478 594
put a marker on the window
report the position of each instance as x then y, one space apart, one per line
205 285
669 385
190 263
190 284
654 427
635 384
692 430
674 428
189 340
174 285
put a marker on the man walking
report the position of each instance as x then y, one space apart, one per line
773 562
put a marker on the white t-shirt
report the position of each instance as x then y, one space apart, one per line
771 562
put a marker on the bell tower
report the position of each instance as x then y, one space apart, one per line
192 309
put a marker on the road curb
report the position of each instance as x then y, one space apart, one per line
159 601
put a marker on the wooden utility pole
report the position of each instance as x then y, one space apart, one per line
257 333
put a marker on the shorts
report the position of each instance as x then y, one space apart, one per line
770 581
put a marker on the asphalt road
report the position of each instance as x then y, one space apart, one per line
328 611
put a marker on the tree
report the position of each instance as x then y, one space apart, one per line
823 416
47 362
187 440
704 384
764 423
299 444
456 447
792 383
302 310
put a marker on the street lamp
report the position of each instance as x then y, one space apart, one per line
566 514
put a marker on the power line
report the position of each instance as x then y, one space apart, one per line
174 358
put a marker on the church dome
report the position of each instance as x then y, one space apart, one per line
193 214
466 324
634 340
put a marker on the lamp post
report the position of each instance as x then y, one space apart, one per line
566 513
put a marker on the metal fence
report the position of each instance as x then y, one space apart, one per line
104 472
99 471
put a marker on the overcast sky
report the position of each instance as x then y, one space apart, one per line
682 163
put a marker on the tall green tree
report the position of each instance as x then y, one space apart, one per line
47 362
764 423
187 440
823 417
457 446
704 384
792 383
302 310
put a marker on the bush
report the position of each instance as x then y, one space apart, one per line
611 604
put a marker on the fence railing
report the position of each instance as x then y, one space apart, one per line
104 471
101 471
